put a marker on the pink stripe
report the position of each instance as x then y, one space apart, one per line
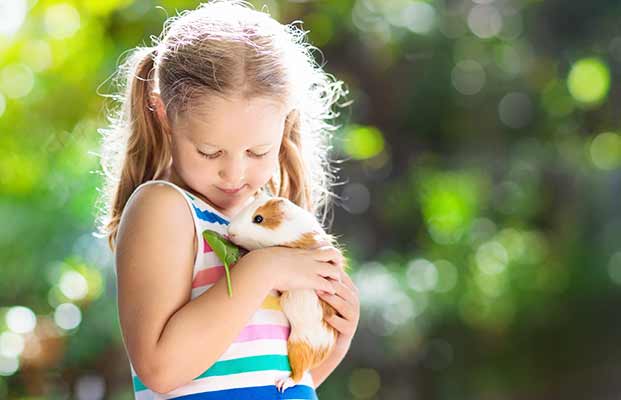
209 275
255 332
206 247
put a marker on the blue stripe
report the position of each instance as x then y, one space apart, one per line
208 216
298 392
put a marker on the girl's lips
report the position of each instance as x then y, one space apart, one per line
232 191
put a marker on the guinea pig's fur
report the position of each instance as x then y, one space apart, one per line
276 221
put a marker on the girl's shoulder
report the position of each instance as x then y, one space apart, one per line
156 217
157 201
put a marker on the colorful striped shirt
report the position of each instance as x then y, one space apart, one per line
249 368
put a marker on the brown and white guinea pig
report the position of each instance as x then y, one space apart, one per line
276 221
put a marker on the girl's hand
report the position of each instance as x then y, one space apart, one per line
292 268
347 304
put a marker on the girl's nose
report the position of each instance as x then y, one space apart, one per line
232 173
233 177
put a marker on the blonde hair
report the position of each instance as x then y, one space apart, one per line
221 48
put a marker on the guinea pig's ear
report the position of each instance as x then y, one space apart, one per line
263 195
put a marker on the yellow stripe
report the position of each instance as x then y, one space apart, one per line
271 302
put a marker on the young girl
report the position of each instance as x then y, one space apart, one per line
226 103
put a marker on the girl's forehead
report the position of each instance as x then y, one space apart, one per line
218 121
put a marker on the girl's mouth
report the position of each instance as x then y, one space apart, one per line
232 191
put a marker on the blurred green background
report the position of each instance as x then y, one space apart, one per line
480 196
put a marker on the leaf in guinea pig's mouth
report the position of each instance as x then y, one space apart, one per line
226 250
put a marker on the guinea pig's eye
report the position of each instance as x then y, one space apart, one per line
258 219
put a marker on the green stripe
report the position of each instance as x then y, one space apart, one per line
236 366
138 385
248 364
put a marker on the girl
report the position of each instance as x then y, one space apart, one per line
226 103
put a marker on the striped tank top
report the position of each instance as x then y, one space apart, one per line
249 368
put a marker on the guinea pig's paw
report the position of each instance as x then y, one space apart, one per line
284 383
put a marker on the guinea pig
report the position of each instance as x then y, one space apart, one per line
276 221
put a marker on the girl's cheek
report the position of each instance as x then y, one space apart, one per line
263 172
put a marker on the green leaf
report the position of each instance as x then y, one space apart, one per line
226 250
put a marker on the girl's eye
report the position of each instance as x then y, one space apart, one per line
205 155
258 155
215 155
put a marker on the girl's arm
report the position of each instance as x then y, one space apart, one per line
323 370
170 339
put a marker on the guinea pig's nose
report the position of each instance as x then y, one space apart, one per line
232 236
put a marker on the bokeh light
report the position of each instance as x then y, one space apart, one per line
447 276
589 81
362 142
468 77
605 150
37 54
11 344
16 80
513 243
91 387
491 285
515 110
419 17
422 275
67 316
383 299
449 202
508 59
398 310
61 20
73 285
356 198
485 21
12 15
20 319
8 365
492 258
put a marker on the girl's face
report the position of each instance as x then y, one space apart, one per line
229 153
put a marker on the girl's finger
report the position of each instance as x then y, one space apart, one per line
339 304
328 271
346 293
340 325
329 254
324 285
